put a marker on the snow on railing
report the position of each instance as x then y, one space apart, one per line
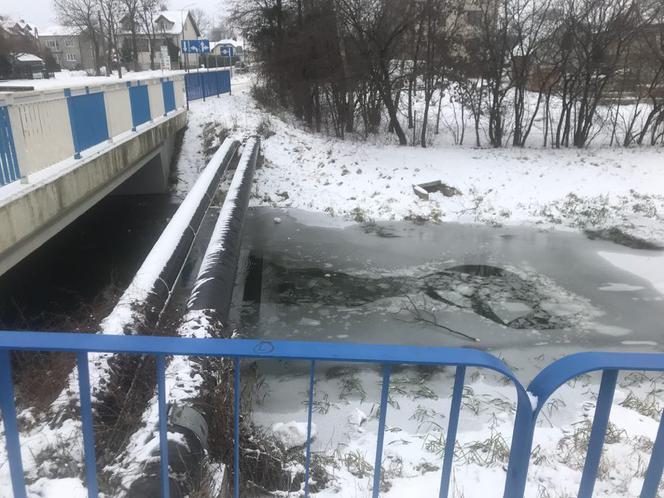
41 128
529 401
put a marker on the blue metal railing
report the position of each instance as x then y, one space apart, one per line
87 115
550 379
204 84
140 104
9 171
168 91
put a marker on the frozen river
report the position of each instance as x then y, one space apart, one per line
526 294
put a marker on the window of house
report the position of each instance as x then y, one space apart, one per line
52 44
71 57
69 42
474 17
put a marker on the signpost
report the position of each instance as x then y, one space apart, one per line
195 47
227 51
164 58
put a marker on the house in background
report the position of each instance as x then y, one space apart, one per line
28 66
170 28
18 41
70 48
217 48
18 33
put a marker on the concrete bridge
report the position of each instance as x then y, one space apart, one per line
61 152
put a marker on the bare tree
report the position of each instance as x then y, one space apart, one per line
440 20
530 22
201 19
377 28
83 16
493 56
111 13
147 10
221 28
131 10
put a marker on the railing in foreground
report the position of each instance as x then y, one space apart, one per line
541 387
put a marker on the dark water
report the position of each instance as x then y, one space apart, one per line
521 292
74 279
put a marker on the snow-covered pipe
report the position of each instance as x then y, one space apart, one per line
207 308
150 290
147 295
214 286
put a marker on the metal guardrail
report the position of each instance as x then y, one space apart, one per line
203 84
34 133
41 128
529 401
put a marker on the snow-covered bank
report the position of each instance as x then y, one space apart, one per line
594 188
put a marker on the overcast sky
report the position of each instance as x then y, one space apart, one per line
40 12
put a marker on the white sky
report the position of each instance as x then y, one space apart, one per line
40 12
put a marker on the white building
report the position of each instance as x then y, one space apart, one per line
70 49
170 28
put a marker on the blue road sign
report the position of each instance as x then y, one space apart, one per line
226 51
196 46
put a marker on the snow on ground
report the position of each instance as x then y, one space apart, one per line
68 79
417 421
594 188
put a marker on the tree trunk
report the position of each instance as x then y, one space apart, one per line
425 119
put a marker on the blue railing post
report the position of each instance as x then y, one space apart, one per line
186 90
86 421
598 432
656 464
9 168
74 131
384 397
236 429
522 442
307 462
163 425
450 440
12 440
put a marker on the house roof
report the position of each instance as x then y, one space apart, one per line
225 42
27 58
19 27
175 17
58 31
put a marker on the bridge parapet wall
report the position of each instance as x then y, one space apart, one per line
43 128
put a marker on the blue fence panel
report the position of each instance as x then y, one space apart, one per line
169 96
9 171
541 388
224 81
140 104
210 84
194 85
201 85
87 115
